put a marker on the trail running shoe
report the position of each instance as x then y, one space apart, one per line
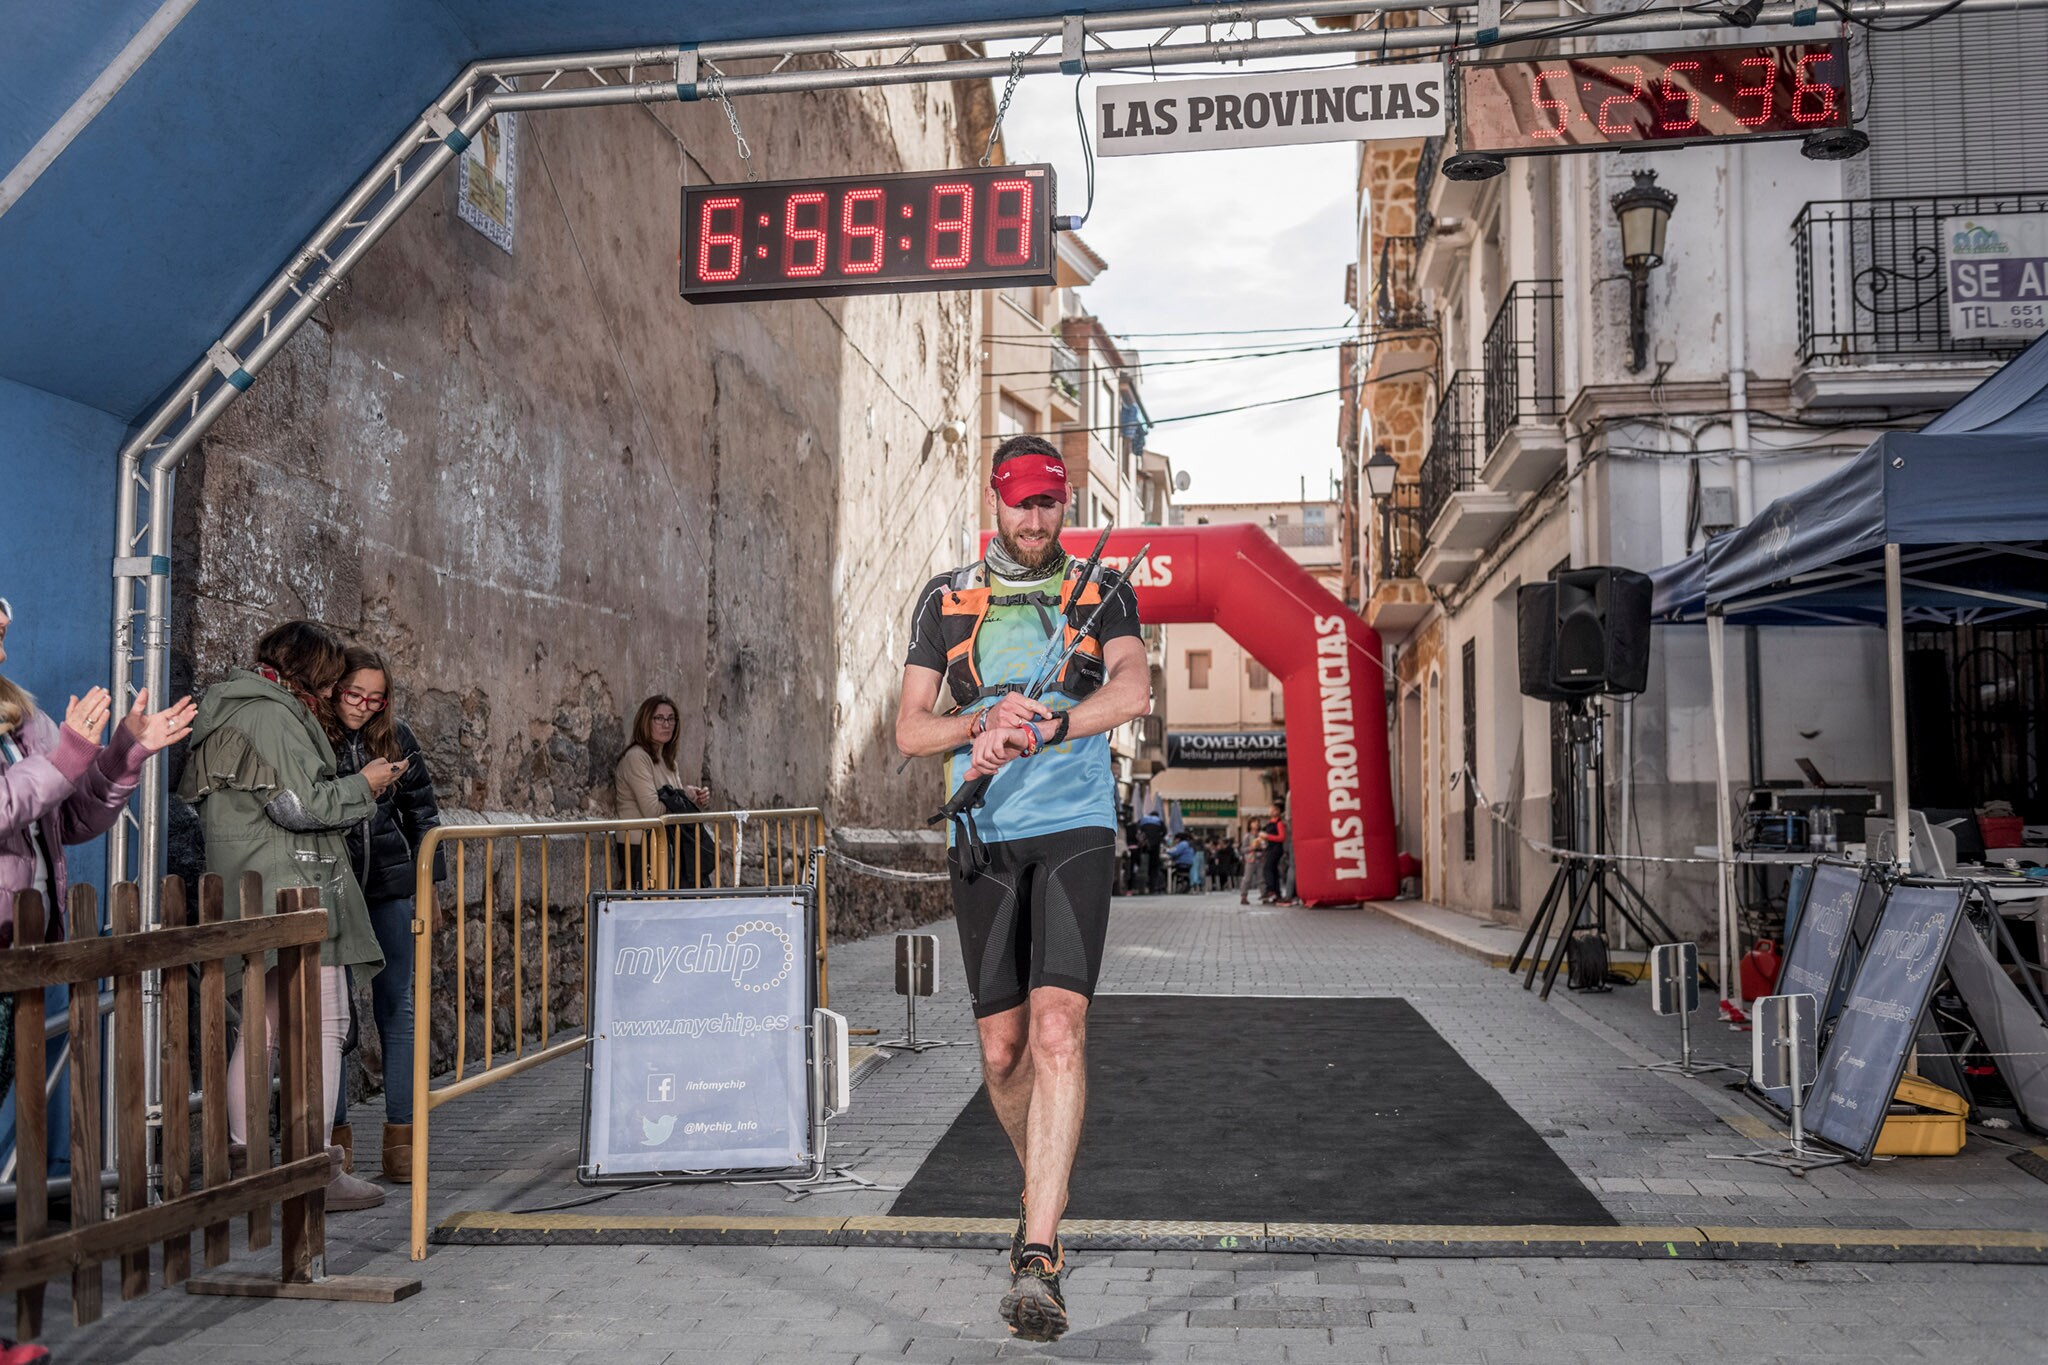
1034 1307
1059 1249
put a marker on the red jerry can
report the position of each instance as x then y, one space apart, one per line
1760 970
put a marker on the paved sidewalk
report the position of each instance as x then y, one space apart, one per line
1638 1139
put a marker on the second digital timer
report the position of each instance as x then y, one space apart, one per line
1700 94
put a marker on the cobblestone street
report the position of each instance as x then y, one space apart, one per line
1640 1140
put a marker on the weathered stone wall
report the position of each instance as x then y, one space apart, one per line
545 487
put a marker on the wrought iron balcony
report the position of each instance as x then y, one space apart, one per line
1456 452
1871 285
1397 297
1521 358
1400 532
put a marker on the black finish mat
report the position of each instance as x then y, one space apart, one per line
1229 1108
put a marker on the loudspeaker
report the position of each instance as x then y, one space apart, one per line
1586 631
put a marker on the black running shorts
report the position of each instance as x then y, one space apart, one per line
1036 917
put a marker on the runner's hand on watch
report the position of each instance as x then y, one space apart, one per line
993 748
1015 709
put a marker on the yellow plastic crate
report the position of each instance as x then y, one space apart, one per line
1939 1132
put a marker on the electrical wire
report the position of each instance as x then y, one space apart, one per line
1150 366
1088 151
1842 12
1241 407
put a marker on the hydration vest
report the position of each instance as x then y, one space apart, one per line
964 604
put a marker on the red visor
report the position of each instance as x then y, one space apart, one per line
1028 476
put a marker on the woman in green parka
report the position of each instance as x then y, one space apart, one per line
262 775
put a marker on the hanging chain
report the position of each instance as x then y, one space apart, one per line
717 83
1003 105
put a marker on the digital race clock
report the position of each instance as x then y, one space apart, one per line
1693 94
868 234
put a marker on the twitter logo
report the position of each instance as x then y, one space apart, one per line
655 1131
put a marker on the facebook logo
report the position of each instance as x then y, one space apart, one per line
661 1089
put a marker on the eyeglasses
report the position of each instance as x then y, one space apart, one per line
661 718
369 701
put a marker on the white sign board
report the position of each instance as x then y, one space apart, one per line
1270 109
1997 274
698 1007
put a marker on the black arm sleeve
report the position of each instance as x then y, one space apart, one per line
419 809
927 645
1119 618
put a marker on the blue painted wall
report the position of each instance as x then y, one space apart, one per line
58 464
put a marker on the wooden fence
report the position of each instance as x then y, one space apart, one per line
137 1226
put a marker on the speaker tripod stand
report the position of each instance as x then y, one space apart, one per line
1585 881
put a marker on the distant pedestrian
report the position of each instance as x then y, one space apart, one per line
383 849
1273 847
271 801
647 785
1249 866
1152 842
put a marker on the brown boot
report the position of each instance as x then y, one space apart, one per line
347 1193
398 1153
345 1138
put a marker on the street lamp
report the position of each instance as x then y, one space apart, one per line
1379 473
1644 211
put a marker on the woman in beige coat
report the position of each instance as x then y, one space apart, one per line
646 769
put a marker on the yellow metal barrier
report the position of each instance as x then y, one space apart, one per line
716 848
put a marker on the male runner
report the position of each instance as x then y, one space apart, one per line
1032 923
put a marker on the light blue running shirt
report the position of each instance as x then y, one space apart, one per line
1065 786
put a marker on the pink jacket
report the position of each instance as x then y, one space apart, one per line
72 788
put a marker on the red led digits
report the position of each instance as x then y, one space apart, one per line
1766 89
709 240
1633 97
958 225
1804 86
1675 94
1558 107
867 236
803 245
1000 222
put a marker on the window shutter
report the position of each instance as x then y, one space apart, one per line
1956 106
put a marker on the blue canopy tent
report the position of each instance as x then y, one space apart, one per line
1946 524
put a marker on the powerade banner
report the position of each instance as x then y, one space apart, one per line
1226 749
1867 1053
698 1007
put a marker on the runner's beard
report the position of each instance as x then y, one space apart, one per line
1040 558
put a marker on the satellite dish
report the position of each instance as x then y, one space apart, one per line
1181 482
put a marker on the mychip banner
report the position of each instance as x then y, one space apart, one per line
1271 109
1864 1059
1997 275
697 1043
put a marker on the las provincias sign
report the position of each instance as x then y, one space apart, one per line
1271 109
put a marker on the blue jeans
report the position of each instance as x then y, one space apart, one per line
391 1006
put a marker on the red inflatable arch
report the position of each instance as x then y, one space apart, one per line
1340 800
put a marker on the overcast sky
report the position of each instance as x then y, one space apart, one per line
1232 240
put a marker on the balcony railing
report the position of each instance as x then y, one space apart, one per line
1066 371
1456 452
1521 358
1400 532
1871 284
1302 535
1397 298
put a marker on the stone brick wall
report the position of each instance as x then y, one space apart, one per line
546 488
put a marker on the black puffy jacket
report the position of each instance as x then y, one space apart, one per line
381 848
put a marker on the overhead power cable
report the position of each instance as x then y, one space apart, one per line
1241 407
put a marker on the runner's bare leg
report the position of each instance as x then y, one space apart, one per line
1059 1095
1006 1067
